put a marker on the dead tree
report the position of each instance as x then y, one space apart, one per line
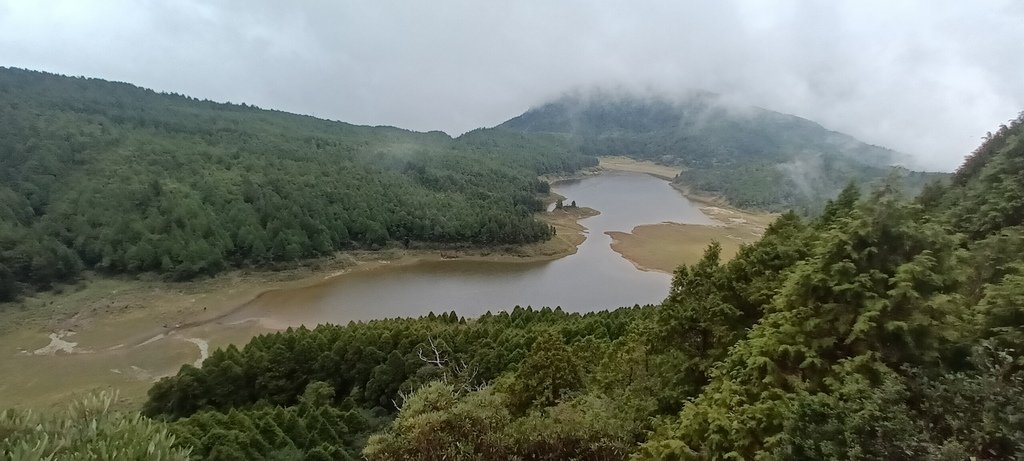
458 374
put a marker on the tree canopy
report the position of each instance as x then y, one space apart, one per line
752 157
884 328
111 177
881 328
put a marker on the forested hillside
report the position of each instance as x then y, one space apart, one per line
882 329
109 176
753 157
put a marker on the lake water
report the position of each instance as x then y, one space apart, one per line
594 278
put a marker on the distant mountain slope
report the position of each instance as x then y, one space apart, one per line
880 329
751 156
986 194
109 176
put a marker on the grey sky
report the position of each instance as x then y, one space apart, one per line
926 77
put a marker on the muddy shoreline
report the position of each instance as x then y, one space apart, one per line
662 247
122 333
125 333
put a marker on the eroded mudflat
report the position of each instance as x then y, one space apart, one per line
663 247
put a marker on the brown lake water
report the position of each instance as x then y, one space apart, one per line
594 278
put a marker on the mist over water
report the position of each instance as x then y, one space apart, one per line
594 278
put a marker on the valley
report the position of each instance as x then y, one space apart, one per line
126 333
606 276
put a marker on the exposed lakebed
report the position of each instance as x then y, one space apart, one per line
128 334
594 278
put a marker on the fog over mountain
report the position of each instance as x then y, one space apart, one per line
922 77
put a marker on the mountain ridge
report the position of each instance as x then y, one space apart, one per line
121 179
753 157
883 328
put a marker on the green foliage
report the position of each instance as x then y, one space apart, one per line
537 359
852 418
874 294
87 430
987 194
439 423
712 306
872 332
752 157
313 429
890 339
1002 315
373 363
883 329
108 176
590 427
978 412
435 424
548 375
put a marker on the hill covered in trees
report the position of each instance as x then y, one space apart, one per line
112 177
751 156
881 329
106 176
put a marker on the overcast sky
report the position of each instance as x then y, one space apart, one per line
926 77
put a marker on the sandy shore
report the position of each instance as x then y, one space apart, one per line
664 246
126 333
619 163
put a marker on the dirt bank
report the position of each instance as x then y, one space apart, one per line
126 333
663 247
619 163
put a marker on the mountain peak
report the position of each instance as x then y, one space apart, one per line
757 157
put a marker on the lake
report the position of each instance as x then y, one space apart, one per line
594 278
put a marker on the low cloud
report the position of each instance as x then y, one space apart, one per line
925 77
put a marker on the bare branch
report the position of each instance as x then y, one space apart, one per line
438 360
461 375
403 396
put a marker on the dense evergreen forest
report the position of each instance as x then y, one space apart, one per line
753 157
112 177
885 328
105 176
882 328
